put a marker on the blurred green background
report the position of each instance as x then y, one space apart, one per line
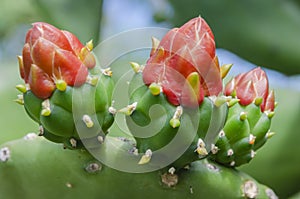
266 33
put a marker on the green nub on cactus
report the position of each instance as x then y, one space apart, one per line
63 91
247 127
176 108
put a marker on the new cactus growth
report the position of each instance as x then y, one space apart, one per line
62 87
248 122
181 83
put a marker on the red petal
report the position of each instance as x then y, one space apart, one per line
40 83
51 33
70 68
27 61
270 102
74 42
245 91
43 54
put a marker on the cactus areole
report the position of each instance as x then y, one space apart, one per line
178 110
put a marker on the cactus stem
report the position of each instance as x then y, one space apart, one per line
146 157
92 80
232 163
128 110
4 154
137 68
230 152
88 121
243 116
172 170
20 99
258 101
61 84
41 130
224 69
169 179
232 102
251 139
73 142
93 167
201 150
214 149
155 88
21 87
270 134
250 189
107 72
46 111
221 134
252 154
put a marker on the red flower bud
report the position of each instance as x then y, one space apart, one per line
50 54
181 52
248 87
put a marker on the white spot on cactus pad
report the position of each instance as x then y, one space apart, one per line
212 167
250 189
69 185
93 167
4 154
169 179
30 136
270 193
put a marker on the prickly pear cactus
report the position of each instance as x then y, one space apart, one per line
62 90
29 169
179 116
247 127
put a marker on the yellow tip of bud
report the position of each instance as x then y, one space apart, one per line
46 112
20 99
90 45
225 69
21 87
135 66
155 88
88 121
174 122
61 85
155 44
193 79
243 116
258 101
146 157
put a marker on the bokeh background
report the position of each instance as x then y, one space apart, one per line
265 33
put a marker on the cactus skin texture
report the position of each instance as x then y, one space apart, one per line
31 171
247 127
180 76
63 88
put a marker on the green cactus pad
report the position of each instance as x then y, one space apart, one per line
37 168
156 124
